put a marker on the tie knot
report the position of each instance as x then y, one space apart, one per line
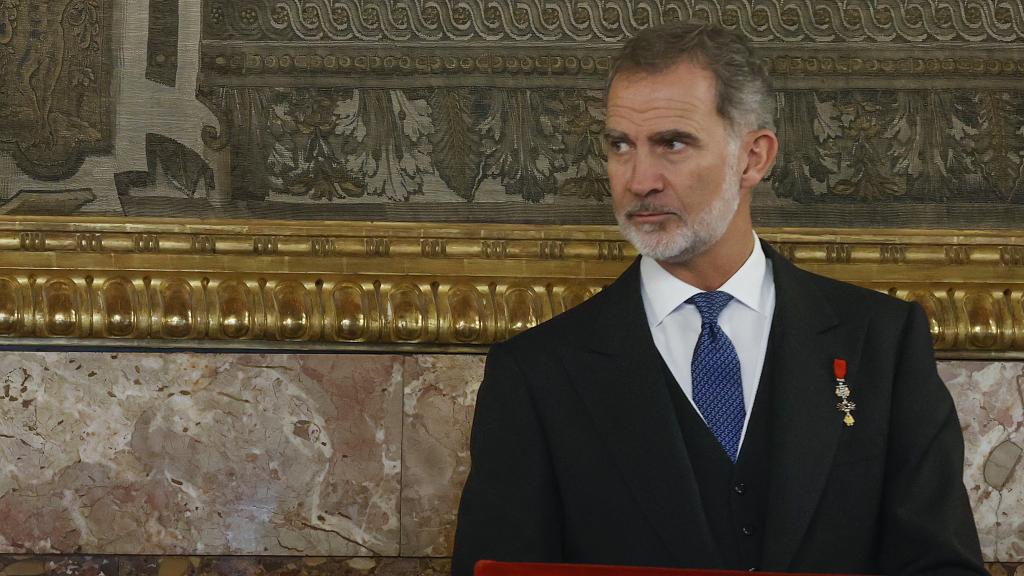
710 304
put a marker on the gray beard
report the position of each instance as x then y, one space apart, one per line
694 235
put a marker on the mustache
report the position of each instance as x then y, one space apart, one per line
647 207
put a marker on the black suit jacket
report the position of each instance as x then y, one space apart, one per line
577 455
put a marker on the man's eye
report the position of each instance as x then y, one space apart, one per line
618 146
675 145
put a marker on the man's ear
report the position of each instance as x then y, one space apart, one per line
761 147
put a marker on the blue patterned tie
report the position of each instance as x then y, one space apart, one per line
717 385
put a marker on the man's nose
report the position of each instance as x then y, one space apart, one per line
646 176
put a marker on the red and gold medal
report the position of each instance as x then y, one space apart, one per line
843 391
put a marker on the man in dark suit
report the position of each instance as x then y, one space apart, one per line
714 407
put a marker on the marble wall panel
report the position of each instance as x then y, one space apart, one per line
262 566
313 455
212 454
990 400
440 394
278 566
1005 568
64 565
77 565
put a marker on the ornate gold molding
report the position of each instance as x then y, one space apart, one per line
409 286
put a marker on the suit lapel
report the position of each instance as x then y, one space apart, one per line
622 384
806 337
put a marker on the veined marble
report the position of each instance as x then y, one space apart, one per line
257 566
990 400
75 565
440 394
260 566
191 453
317 455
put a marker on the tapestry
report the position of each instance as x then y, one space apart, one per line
891 114
55 83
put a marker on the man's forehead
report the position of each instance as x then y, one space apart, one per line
655 107
653 114
683 90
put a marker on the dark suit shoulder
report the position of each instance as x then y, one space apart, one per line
850 301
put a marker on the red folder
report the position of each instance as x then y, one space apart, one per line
492 568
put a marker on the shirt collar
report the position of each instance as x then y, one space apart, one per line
664 293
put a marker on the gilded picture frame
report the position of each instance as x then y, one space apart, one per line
403 286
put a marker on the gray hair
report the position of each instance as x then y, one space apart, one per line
743 87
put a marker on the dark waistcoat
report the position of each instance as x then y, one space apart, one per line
734 496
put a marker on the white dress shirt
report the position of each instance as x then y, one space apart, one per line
746 320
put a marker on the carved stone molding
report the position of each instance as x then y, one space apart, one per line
405 286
